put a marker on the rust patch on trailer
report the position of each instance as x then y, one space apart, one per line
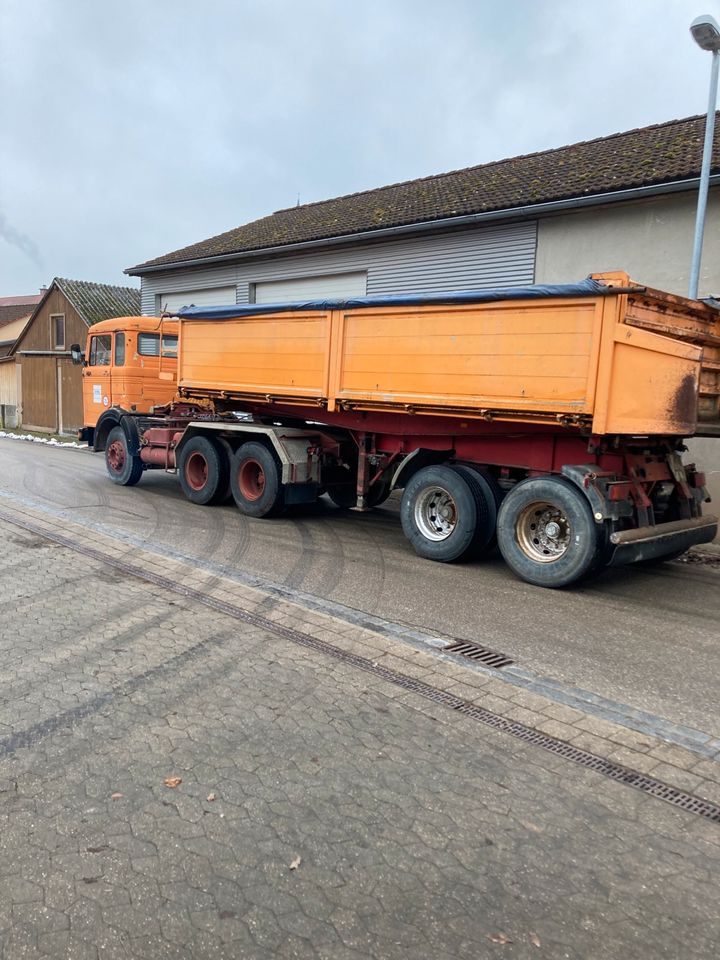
684 407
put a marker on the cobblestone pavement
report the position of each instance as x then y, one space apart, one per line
321 812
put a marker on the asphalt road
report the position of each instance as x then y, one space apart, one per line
648 638
177 783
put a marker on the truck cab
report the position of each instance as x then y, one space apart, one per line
129 363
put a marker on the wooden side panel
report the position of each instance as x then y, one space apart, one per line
39 393
284 355
70 381
8 384
528 355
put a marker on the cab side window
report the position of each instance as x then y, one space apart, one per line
149 344
119 349
169 346
100 348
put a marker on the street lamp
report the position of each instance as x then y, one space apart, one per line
706 34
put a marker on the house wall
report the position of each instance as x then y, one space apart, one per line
502 255
9 334
45 392
652 240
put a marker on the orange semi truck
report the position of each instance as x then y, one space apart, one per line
547 421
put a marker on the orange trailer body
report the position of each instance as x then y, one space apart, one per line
639 362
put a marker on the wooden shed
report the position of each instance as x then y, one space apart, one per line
49 384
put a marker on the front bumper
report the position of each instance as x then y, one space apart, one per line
649 543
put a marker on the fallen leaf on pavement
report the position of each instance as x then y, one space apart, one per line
210 797
115 796
296 863
172 782
499 937
534 939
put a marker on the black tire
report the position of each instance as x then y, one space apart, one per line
527 537
345 496
203 469
256 481
123 467
444 514
486 487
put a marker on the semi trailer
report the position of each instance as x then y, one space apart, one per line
546 422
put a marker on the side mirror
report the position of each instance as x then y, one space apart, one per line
76 353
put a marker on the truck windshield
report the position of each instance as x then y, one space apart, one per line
100 351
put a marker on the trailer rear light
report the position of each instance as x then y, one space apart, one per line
618 491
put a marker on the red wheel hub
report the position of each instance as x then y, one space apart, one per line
251 479
116 456
196 471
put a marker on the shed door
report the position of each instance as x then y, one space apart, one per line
209 297
334 286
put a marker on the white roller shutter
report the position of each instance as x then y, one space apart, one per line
338 285
210 297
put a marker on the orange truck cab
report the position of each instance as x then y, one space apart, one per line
129 362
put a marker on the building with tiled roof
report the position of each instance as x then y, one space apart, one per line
470 221
47 386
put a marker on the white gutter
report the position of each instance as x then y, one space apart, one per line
508 213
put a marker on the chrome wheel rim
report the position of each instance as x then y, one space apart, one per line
543 532
435 513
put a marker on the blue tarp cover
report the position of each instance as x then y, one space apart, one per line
585 288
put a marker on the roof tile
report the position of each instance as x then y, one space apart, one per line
644 157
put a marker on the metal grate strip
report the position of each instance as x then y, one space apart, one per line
632 778
475 651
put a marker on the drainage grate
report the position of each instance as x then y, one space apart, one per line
632 778
475 651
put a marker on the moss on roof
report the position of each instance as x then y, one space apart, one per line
643 157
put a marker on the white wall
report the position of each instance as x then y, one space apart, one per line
651 240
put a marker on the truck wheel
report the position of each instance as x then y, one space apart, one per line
345 496
203 470
443 514
123 467
482 486
547 534
256 481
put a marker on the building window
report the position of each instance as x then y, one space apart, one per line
119 349
57 323
100 351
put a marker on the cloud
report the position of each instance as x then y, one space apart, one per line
132 128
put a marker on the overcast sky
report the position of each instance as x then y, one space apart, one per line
129 129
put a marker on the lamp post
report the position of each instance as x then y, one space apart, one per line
706 34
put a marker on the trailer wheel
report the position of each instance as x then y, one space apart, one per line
444 514
485 489
203 470
255 479
123 467
547 534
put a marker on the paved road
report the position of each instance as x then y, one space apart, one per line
321 815
646 638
